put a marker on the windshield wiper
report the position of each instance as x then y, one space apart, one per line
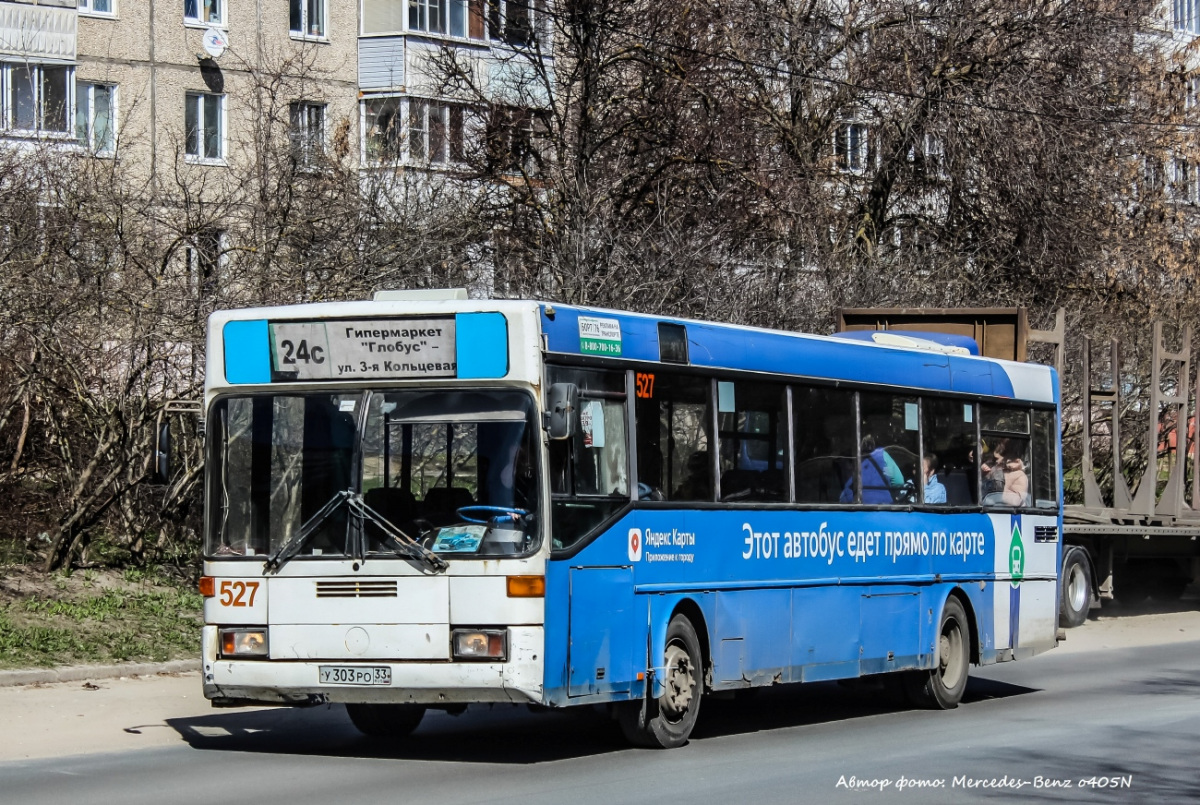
400 543
290 548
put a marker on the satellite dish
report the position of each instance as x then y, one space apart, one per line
215 42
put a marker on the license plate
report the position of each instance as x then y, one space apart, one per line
355 675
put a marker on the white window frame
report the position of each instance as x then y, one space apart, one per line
199 158
1185 17
307 144
935 156
497 11
399 131
85 99
422 13
88 8
437 131
852 156
1185 182
444 125
8 120
217 20
305 31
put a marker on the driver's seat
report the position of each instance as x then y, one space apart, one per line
442 502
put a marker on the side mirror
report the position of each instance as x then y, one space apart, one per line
162 454
564 410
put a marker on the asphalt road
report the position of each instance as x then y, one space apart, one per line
1126 719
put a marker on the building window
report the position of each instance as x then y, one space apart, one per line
454 17
96 117
384 129
516 21
204 126
207 12
308 18
414 130
37 98
104 7
1187 16
1185 184
307 132
435 132
462 18
850 146
427 15
510 137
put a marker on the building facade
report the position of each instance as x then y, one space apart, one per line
158 81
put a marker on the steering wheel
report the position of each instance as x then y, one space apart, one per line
514 513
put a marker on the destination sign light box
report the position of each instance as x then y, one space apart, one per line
363 349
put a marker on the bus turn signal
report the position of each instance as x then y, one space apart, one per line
526 586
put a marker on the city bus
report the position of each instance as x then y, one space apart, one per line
424 501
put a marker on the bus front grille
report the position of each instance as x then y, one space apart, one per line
357 588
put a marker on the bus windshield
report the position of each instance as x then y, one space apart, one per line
417 458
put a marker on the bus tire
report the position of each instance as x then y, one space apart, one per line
942 687
1076 597
667 721
386 720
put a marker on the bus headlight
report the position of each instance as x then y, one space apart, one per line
480 644
244 643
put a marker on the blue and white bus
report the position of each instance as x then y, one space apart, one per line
424 501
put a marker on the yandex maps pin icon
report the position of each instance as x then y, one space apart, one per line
635 545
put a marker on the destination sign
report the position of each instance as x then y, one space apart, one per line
363 349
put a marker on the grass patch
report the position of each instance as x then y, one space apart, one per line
95 617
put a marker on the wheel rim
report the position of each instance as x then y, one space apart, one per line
951 666
1077 589
680 683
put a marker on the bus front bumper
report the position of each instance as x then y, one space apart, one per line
298 682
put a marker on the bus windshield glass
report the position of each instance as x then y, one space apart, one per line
418 459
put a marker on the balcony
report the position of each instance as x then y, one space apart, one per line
39 30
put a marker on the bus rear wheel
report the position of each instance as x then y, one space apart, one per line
667 721
1076 589
386 720
942 687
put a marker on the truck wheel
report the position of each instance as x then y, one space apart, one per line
386 720
1076 587
942 687
666 722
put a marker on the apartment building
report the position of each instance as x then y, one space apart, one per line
204 81
196 80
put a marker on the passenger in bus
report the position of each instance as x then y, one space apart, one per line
934 492
881 476
993 471
1016 485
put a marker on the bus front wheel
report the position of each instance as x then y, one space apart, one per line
667 721
386 720
942 687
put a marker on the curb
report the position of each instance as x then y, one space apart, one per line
81 673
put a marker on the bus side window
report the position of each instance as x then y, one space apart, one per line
672 439
825 446
949 433
589 472
1045 465
750 418
1004 464
889 449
